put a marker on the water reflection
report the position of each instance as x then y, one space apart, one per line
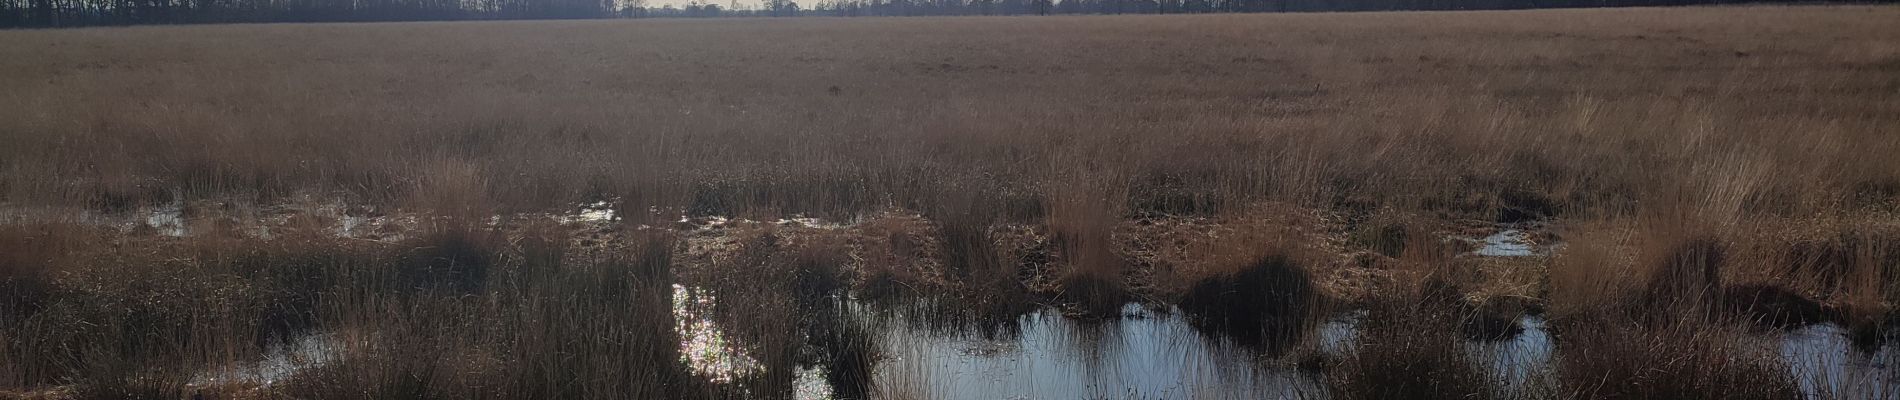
168 219
858 351
811 384
1829 366
1146 354
704 345
1520 360
1506 243
595 212
282 361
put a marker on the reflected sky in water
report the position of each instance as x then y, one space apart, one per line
1828 366
1143 355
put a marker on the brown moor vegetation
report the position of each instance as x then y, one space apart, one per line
1712 174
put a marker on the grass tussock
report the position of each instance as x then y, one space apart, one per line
1409 347
1679 326
1081 222
406 319
1270 303
1684 276
26 268
599 328
1621 359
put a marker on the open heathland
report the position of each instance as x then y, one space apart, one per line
1681 203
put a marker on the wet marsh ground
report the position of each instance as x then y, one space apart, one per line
1609 204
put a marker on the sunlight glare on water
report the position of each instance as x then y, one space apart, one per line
703 345
1506 243
305 352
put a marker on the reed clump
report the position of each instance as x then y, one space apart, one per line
1623 359
1680 330
1409 347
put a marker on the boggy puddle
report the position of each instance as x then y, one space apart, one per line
1143 353
1147 353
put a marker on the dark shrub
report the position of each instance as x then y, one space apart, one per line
456 258
1265 304
1770 305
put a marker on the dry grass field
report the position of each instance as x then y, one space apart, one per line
1700 179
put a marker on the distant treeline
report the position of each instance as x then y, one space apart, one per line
63 13
1024 7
